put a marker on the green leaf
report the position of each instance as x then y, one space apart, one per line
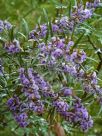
46 15
2 40
3 83
70 8
25 27
11 34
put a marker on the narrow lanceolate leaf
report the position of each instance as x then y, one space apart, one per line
25 27
47 21
100 111
11 34
45 15
50 26
2 40
70 8
2 81
21 34
75 1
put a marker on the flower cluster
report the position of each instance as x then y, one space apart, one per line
58 49
14 105
65 24
60 55
12 47
81 116
35 88
77 114
89 81
52 52
31 90
80 14
5 25
90 84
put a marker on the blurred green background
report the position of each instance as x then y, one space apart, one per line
32 11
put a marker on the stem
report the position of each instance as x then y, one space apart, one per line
98 54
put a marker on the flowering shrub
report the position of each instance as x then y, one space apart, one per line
48 76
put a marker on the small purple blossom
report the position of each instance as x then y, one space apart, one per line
37 107
5 25
61 106
94 78
13 47
38 33
13 103
71 43
57 53
94 4
21 119
66 91
55 28
78 57
63 22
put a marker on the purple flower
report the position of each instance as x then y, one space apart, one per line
94 4
71 43
69 69
82 117
86 125
94 78
21 119
61 106
42 47
66 91
13 103
13 47
7 25
88 5
57 53
57 42
77 114
55 28
37 106
63 22
87 13
39 32
24 80
82 14
98 91
78 57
